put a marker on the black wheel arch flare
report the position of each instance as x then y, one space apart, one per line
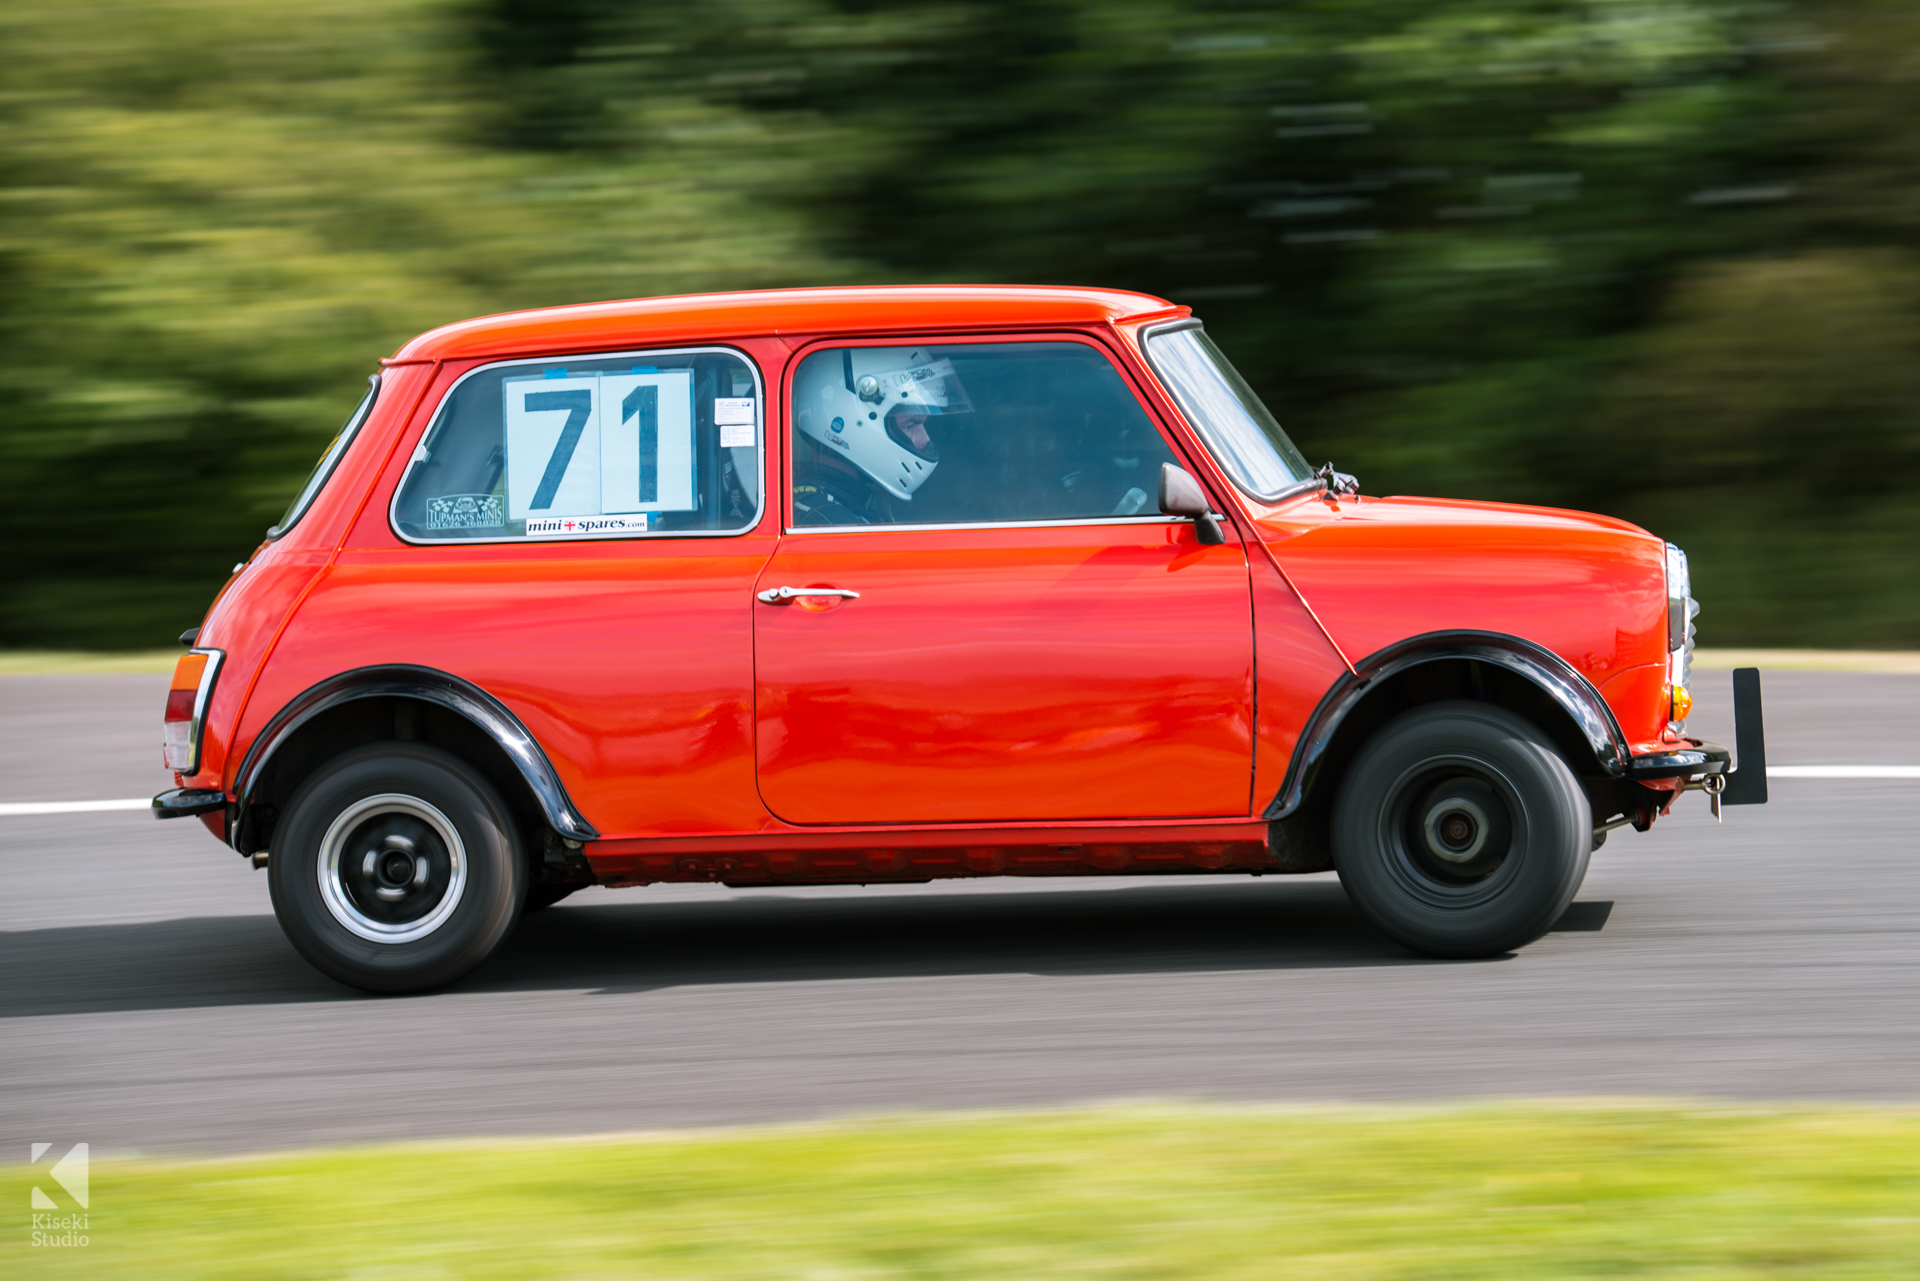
485 713
1588 717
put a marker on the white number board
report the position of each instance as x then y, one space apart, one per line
594 444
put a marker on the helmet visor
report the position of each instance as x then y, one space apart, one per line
932 388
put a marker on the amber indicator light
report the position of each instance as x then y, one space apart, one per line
186 685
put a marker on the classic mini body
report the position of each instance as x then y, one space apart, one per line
900 584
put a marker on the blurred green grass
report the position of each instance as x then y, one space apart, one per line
1564 1190
30 662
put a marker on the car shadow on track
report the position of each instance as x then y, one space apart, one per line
761 938
772 937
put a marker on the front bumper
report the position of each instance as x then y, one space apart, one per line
1746 781
1698 759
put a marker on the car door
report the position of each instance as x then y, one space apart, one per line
1018 634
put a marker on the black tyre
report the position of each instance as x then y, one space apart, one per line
540 897
1460 831
396 868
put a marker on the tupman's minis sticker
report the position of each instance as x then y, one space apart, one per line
466 511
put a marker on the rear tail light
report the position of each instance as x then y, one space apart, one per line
187 707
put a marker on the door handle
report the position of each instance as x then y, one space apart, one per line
781 595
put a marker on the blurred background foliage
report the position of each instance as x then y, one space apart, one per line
1656 258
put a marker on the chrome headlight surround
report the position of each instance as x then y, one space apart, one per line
1682 609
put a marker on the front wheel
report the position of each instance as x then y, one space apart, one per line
1460 831
396 868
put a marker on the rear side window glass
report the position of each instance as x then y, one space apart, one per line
974 433
622 446
317 478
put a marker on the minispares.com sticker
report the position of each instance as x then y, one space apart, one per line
574 526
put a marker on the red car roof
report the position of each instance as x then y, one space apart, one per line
703 317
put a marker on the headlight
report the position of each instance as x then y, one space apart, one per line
1679 592
1682 609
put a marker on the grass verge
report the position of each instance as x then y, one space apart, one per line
1883 662
49 662
1464 1192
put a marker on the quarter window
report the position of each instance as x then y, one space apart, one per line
603 447
317 478
1238 428
967 434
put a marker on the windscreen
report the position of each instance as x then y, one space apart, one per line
1244 437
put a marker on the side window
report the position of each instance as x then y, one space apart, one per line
323 470
969 433
598 447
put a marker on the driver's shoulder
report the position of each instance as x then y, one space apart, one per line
816 504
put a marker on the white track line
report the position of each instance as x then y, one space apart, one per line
12 808
1843 771
72 807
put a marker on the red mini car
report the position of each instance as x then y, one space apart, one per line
889 584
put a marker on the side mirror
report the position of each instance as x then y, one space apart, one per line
1181 495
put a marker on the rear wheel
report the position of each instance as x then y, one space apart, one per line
396 868
1460 831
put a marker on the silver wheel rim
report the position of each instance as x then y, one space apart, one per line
348 874
1406 815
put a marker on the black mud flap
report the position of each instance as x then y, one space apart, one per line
1747 784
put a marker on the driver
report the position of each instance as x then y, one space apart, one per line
869 431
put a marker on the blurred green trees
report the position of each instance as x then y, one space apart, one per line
1651 257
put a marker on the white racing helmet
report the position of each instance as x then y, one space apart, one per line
849 402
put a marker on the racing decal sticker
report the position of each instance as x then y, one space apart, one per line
553 445
576 526
734 416
466 511
642 405
596 444
646 441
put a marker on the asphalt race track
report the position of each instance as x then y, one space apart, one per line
148 1000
